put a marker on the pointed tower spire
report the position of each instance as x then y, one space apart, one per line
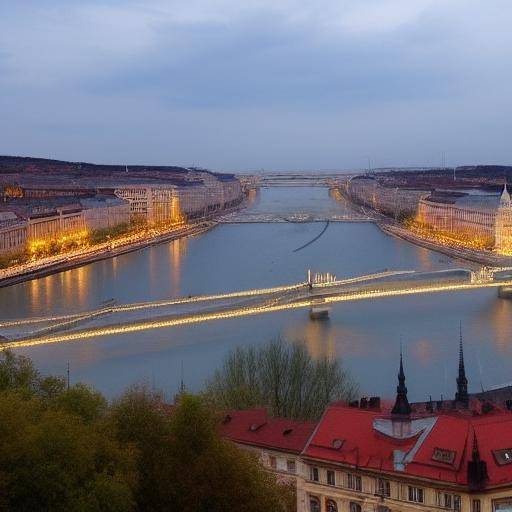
462 382
505 197
401 406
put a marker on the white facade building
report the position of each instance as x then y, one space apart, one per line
475 217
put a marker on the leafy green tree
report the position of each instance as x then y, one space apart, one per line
51 460
282 377
183 463
84 402
141 421
18 372
213 475
68 449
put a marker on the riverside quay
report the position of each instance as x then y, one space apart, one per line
50 200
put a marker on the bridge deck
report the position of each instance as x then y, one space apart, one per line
186 310
258 218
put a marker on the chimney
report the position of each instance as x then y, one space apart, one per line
375 403
477 469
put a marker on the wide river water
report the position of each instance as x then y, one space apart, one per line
365 335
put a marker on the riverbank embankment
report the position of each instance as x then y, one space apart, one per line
61 262
481 257
389 205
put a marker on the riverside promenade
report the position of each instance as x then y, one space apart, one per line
392 227
481 257
133 242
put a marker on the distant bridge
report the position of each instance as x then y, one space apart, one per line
297 179
319 288
248 217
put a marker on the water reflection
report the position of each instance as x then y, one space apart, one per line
319 337
365 335
423 351
177 253
497 316
252 196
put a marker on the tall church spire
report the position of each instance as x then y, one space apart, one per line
401 406
462 381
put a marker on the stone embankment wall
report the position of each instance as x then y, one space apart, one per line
391 201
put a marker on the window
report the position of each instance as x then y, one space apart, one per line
330 506
444 456
448 501
475 506
503 506
503 456
313 474
382 508
355 507
444 500
291 466
354 482
416 494
314 504
273 462
331 477
383 488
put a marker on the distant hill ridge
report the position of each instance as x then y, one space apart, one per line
21 165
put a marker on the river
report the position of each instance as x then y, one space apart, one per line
364 335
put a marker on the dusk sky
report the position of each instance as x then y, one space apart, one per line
274 84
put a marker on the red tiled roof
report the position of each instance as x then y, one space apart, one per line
254 427
365 447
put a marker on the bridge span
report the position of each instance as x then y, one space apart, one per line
320 288
296 179
247 217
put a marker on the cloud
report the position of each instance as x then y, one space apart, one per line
257 83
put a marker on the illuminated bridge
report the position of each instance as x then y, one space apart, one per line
322 289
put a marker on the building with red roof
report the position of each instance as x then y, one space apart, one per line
279 442
366 456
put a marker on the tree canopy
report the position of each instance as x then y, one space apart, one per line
69 449
281 376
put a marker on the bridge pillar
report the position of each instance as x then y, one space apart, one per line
505 292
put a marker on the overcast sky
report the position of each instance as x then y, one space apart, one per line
247 84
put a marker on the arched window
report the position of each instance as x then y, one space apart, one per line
330 506
314 504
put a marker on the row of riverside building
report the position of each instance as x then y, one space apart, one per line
368 456
481 217
39 209
478 217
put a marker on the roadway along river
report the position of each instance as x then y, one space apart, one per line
365 335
